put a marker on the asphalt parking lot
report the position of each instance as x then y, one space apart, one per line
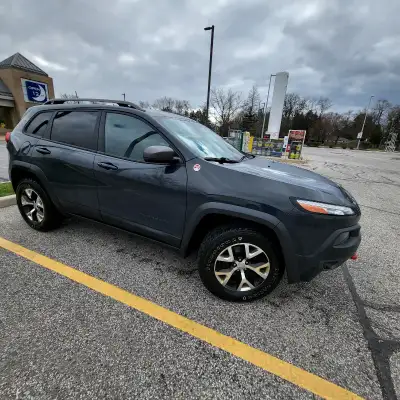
60 339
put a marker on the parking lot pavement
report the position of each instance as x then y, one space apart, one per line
3 162
62 339
374 179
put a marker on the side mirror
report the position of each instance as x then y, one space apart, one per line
160 154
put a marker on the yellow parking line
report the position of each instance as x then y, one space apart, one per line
267 362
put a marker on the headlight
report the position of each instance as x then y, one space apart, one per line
323 208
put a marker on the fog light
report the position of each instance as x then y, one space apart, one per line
342 238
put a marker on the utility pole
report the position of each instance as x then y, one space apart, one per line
360 135
266 105
209 28
123 94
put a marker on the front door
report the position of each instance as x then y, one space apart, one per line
139 196
66 158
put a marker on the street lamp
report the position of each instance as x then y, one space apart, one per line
209 28
360 135
266 105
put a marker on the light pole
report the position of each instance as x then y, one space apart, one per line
209 28
266 105
360 135
123 94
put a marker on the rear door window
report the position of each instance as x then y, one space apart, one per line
76 128
39 124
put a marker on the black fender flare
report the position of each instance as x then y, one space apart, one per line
259 217
36 171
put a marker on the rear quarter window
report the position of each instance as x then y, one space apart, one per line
39 124
25 118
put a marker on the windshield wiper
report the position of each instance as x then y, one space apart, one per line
247 155
221 160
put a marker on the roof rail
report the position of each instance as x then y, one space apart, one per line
95 101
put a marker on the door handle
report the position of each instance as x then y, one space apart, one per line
107 165
43 150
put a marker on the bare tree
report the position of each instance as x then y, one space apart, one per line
394 119
293 104
323 105
290 105
252 102
165 104
247 119
225 106
380 111
144 104
182 107
69 96
311 104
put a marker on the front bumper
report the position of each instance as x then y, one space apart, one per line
337 249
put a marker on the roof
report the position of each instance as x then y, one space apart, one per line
20 62
4 90
104 106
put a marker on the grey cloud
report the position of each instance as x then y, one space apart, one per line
342 49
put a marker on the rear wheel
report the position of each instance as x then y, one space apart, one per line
239 264
36 207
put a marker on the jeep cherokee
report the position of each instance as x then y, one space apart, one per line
175 181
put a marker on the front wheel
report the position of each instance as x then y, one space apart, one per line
239 264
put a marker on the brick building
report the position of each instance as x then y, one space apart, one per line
22 85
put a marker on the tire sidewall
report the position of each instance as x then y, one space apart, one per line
207 261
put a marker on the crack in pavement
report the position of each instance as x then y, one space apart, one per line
382 307
381 349
338 168
380 209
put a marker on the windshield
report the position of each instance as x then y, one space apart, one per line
200 139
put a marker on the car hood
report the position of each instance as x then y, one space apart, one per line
285 173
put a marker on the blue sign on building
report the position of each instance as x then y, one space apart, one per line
35 92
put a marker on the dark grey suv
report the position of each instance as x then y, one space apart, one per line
173 180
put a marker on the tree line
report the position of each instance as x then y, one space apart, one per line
230 110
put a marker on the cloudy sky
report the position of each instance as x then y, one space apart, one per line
343 49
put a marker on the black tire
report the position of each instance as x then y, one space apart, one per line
219 239
52 218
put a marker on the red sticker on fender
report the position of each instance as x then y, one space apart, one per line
196 167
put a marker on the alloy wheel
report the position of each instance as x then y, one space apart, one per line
32 205
242 267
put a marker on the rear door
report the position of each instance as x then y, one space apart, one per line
133 194
66 158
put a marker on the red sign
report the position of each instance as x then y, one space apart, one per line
296 135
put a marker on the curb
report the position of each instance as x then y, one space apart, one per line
288 161
7 201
